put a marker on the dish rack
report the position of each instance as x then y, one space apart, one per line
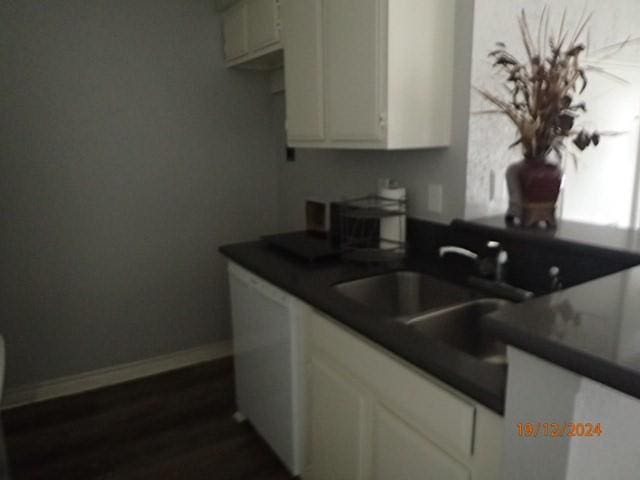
360 223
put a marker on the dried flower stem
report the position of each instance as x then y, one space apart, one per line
543 90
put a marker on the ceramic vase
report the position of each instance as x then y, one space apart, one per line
534 188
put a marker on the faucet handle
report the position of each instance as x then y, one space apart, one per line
494 249
496 261
554 277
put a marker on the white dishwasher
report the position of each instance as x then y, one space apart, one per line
269 362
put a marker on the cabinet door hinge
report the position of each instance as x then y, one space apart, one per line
383 121
278 16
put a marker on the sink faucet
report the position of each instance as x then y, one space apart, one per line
458 251
493 264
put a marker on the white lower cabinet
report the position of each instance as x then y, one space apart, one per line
268 362
373 416
338 412
401 452
346 408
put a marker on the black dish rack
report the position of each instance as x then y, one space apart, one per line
360 225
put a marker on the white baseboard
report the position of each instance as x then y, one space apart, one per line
83 382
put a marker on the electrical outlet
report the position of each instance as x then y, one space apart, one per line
434 198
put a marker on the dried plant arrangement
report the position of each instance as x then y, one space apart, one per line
543 101
543 90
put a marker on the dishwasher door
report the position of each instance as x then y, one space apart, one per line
265 362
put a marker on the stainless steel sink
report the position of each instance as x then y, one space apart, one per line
459 327
432 307
404 294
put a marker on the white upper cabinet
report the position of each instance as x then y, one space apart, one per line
353 72
368 73
304 71
251 30
234 26
264 18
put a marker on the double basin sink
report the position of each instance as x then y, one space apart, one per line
434 308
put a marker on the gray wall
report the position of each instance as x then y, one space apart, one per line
128 155
332 174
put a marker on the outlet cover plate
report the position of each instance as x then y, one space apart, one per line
434 198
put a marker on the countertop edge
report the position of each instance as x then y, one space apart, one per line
577 361
538 237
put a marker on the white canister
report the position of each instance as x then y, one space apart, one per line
392 229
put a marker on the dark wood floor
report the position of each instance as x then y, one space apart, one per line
172 426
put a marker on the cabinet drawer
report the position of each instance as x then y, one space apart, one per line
446 418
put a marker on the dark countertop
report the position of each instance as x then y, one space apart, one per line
568 232
592 328
311 283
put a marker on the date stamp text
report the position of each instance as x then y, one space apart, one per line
559 429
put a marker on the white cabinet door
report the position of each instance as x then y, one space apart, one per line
234 25
302 22
354 78
263 23
369 74
265 361
372 416
338 419
401 453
